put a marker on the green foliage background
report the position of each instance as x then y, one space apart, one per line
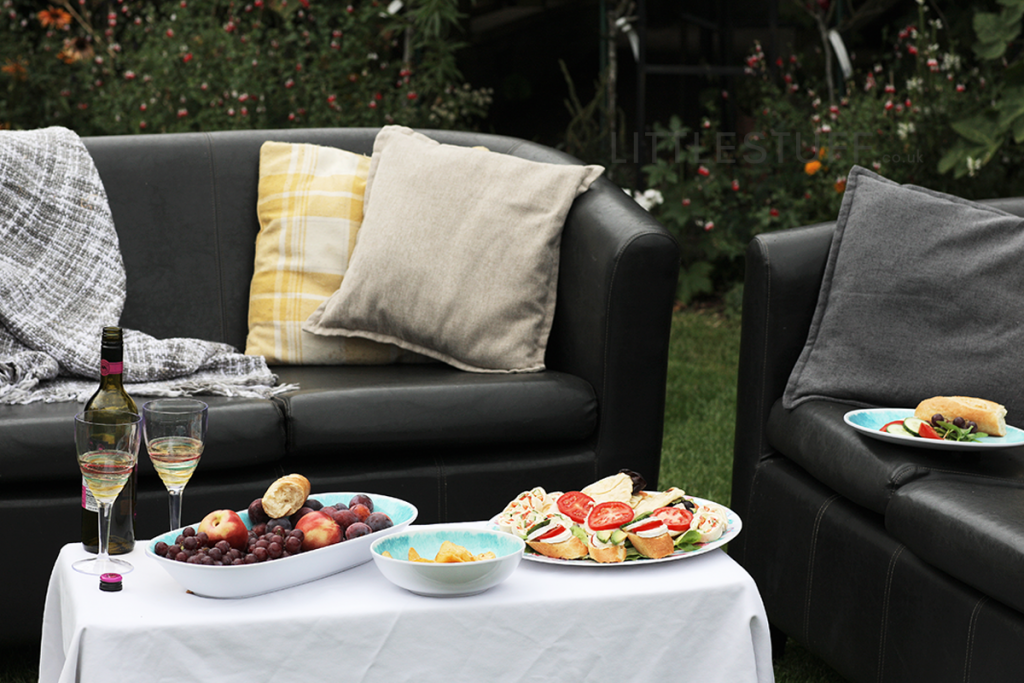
130 66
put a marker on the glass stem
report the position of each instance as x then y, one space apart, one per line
104 522
175 506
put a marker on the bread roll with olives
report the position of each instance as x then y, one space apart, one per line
988 415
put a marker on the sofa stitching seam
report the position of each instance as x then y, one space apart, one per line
885 608
810 563
971 632
972 475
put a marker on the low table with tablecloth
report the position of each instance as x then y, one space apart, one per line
698 619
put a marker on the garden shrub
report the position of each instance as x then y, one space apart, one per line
130 66
788 165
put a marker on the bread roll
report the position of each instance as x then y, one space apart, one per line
285 496
988 415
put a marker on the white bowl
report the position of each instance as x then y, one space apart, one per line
241 581
447 579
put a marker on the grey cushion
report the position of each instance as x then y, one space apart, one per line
923 295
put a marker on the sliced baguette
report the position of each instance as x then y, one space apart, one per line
654 548
572 549
609 555
988 415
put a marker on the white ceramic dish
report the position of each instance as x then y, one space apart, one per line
446 580
255 579
732 529
869 422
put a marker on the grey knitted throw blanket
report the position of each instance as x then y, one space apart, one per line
62 280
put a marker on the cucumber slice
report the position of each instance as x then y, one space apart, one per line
913 425
897 428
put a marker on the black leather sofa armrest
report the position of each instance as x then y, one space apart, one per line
616 288
783 276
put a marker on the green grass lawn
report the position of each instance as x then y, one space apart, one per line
700 417
696 456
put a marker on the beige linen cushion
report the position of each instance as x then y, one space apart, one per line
457 256
310 207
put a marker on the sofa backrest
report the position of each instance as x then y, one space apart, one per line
184 206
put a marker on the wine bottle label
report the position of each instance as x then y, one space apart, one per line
111 367
88 501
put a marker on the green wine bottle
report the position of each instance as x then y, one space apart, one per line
111 396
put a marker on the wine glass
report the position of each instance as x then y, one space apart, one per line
107 443
175 431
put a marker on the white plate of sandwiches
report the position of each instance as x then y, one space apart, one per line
614 522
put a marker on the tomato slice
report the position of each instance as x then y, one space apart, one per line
886 426
676 519
575 505
556 529
647 525
928 432
609 515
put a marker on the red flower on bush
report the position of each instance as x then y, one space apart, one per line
187 57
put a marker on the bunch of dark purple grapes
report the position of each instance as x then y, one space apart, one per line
195 548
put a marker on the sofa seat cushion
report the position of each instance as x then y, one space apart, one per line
243 431
969 527
392 405
866 470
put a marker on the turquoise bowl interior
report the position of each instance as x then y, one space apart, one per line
428 541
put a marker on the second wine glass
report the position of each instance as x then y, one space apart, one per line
175 432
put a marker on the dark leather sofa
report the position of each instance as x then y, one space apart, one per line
891 563
458 445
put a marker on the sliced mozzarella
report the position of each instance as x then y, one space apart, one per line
650 527
560 537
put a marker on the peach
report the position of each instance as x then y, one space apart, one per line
319 530
225 525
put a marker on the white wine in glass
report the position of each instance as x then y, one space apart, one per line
107 444
175 431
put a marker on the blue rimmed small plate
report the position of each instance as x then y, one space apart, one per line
869 421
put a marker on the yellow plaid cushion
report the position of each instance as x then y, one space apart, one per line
310 208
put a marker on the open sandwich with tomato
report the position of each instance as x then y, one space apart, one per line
612 520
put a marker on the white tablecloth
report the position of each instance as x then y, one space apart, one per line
698 619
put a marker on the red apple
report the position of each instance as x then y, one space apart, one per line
225 525
319 530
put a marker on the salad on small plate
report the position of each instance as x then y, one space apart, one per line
898 425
